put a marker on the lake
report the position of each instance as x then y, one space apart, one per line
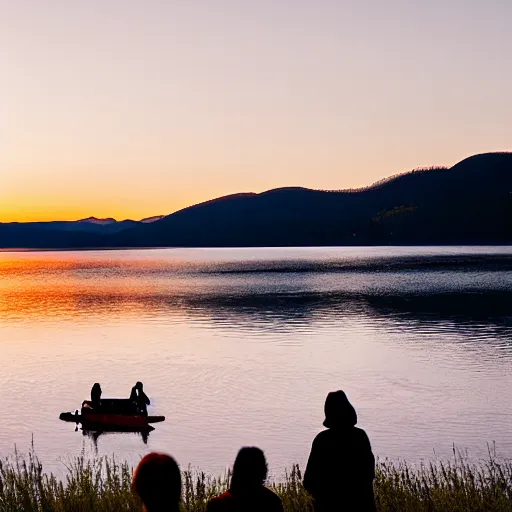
240 347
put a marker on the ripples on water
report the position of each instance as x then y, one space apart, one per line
240 346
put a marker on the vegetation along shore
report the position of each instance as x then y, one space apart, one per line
104 484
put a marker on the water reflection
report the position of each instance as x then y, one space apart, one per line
248 343
278 291
491 308
94 435
94 432
258 310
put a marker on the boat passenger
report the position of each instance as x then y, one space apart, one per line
157 482
139 398
96 395
247 492
95 401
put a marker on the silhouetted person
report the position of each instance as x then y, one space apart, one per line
139 398
95 397
341 466
247 492
157 482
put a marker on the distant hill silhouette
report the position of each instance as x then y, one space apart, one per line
469 203
95 220
32 236
90 232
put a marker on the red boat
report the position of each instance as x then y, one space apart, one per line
117 420
113 414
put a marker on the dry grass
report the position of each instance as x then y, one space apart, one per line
104 485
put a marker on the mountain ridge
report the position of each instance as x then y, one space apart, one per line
468 203
420 207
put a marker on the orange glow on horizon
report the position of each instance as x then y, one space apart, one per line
52 205
45 212
132 112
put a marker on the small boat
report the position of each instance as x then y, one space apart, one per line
113 414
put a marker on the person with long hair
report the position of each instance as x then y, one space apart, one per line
139 399
95 401
247 492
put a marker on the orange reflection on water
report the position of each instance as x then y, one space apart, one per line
71 286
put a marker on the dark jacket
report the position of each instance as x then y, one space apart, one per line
340 471
263 500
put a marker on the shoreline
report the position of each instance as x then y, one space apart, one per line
227 247
104 484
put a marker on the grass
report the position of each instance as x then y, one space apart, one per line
103 484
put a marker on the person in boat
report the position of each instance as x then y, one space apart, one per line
341 467
95 397
139 398
157 482
247 492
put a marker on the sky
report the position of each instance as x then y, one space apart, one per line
128 109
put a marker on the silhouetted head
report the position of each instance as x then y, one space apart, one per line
249 470
96 388
139 386
339 412
157 482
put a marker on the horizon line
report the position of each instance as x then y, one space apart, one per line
375 184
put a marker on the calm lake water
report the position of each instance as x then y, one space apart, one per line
240 346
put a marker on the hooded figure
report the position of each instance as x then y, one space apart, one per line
247 492
341 466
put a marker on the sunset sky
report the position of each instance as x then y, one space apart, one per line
129 108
